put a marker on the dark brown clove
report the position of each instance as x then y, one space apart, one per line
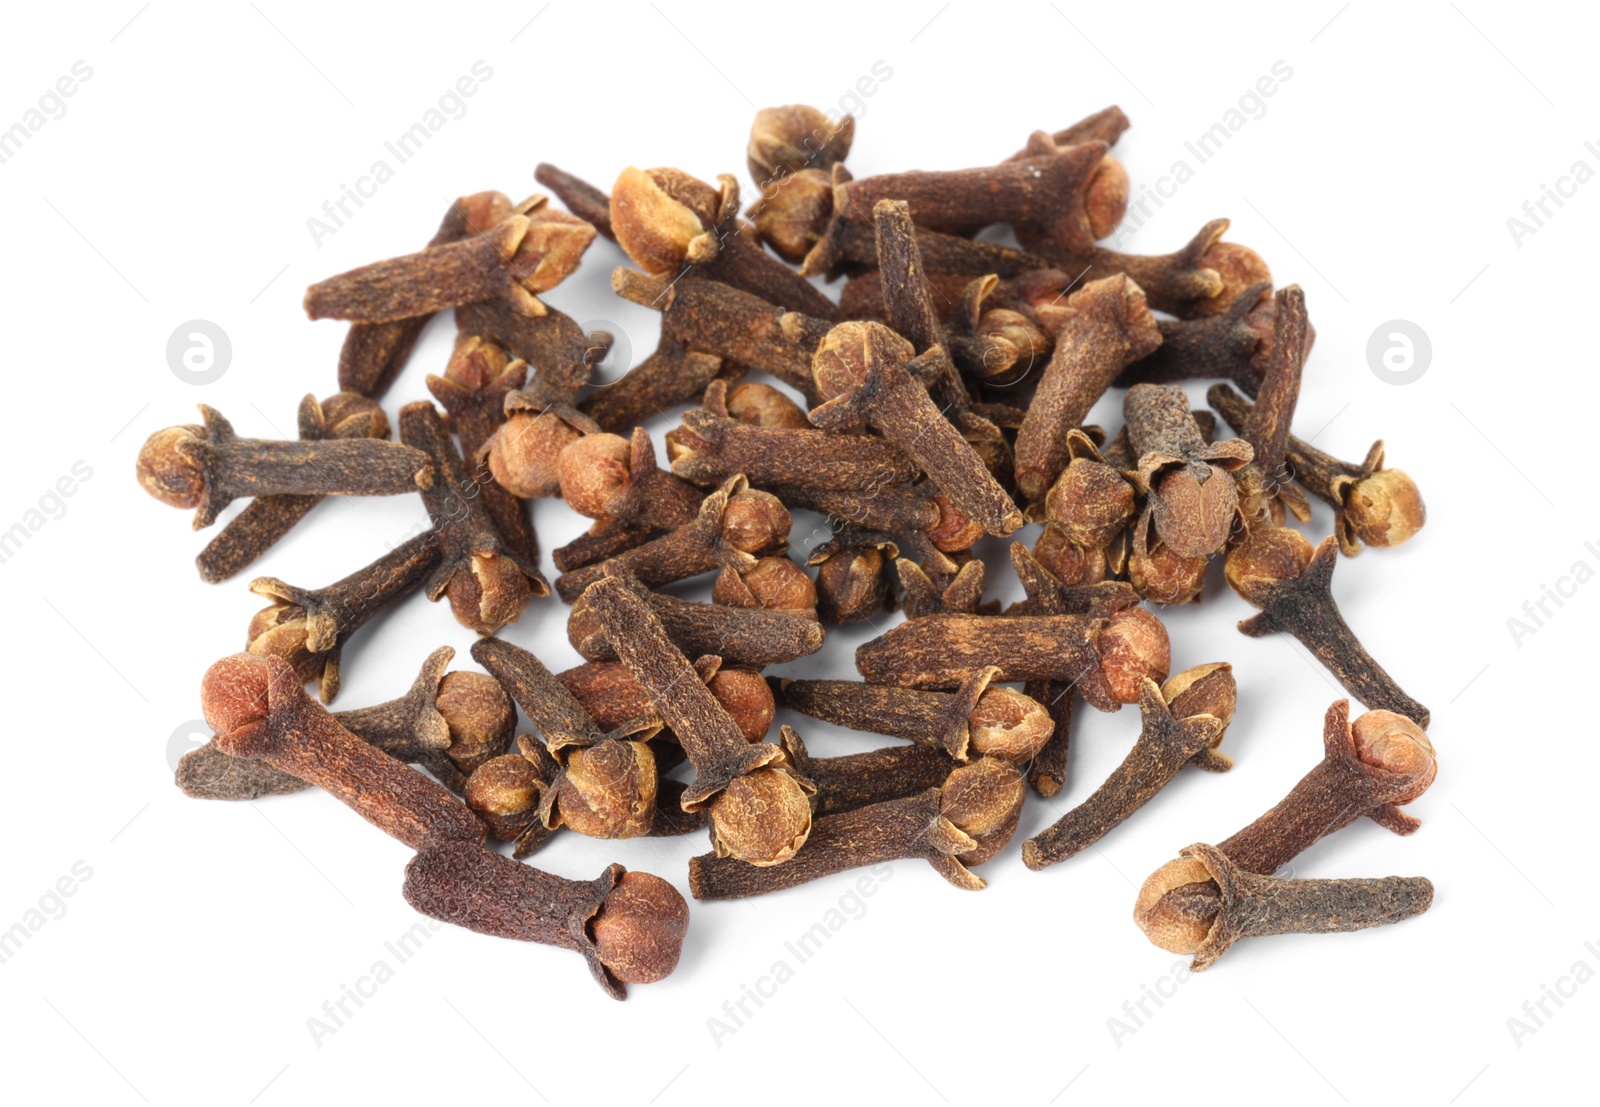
628 926
582 198
1264 488
1203 903
209 467
616 482
527 253
856 780
665 220
1108 326
612 696
1193 508
732 526
1107 658
853 568
773 583
1232 344
1372 505
1171 736
759 809
487 582
309 627
605 784
862 371
562 355
449 723
1205 277
964 822
259 711
516 793
672 375
708 317
909 311
1105 125
473 394
1369 768
1058 195
738 635
259 526
710 447
978 720
374 353
1276 570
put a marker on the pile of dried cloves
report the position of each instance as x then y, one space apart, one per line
939 403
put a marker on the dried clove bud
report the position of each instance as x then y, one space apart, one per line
759 808
965 822
1107 658
773 583
525 254
738 635
1264 488
449 723
711 318
710 447
1372 505
628 926
1369 768
757 405
582 198
374 353
1107 326
1205 277
605 784
1204 903
1193 513
732 526
473 392
1276 570
796 137
980 719
1167 742
665 219
209 467
487 583
863 372
259 711
853 575
612 696
1232 344
857 780
1056 195
308 628
259 526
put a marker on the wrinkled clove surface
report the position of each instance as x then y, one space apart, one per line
209 467
627 926
1203 903
1276 570
1167 742
259 710
964 822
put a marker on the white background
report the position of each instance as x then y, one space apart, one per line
177 186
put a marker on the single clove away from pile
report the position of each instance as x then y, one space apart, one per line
931 411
